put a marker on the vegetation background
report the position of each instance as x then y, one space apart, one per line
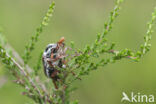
79 21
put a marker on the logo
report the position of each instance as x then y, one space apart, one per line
137 98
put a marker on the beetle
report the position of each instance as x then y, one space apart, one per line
53 57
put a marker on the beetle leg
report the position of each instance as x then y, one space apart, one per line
54 82
49 62
53 76
52 56
58 57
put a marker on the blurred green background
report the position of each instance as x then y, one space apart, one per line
79 21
